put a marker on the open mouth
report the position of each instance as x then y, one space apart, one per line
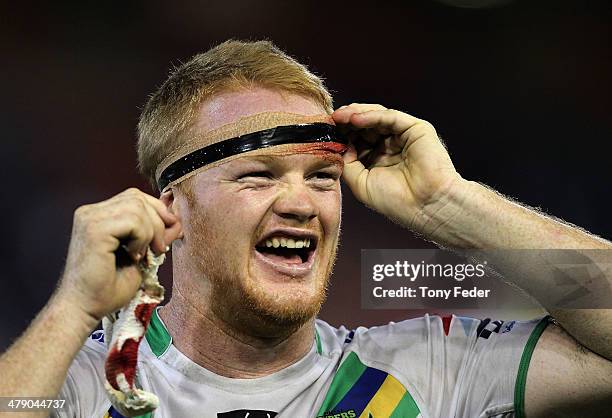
287 249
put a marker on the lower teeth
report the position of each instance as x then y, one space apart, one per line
284 255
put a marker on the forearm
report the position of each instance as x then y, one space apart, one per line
37 363
471 216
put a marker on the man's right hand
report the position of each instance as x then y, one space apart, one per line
134 220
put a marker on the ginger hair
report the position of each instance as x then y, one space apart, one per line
171 111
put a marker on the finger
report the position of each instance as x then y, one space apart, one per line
162 219
386 122
386 153
163 232
128 283
124 225
167 217
343 114
172 233
125 203
158 243
355 174
147 227
361 145
404 129
164 213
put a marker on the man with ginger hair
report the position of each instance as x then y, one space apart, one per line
247 152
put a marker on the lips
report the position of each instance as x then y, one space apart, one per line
287 251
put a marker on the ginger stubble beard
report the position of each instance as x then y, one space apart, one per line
247 307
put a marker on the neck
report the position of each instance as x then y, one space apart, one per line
213 344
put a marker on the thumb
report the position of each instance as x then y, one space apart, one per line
355 174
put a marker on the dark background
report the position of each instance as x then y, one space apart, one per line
520 93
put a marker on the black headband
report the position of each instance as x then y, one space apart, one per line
289 134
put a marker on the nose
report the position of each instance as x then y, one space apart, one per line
296 202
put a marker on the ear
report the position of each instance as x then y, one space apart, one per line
167 198
173 207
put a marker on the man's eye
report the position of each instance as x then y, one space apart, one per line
256 174
324 175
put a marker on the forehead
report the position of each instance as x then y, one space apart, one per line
230 106
297 158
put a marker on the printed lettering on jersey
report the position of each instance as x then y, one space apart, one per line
344 414
361 391
247 413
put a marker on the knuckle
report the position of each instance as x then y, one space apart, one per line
428 124
132 190
127 192
84 217
398 114
135 203
81 211
427 127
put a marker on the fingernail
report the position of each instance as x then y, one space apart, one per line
167 248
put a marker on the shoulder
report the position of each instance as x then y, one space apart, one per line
446 342
432 329
410 333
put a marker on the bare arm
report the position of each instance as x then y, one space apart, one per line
37 363
472 216
91 287
566 380
397 165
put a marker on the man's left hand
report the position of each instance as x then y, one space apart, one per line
395 163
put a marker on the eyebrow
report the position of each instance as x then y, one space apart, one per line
320 160
258 158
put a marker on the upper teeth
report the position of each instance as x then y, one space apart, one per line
288 242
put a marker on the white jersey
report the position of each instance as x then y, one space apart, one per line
428 367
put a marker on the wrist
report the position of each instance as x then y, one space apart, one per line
439 217
69 309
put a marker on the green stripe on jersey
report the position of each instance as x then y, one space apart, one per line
521 378
318 340
348 373
157 335
406 408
